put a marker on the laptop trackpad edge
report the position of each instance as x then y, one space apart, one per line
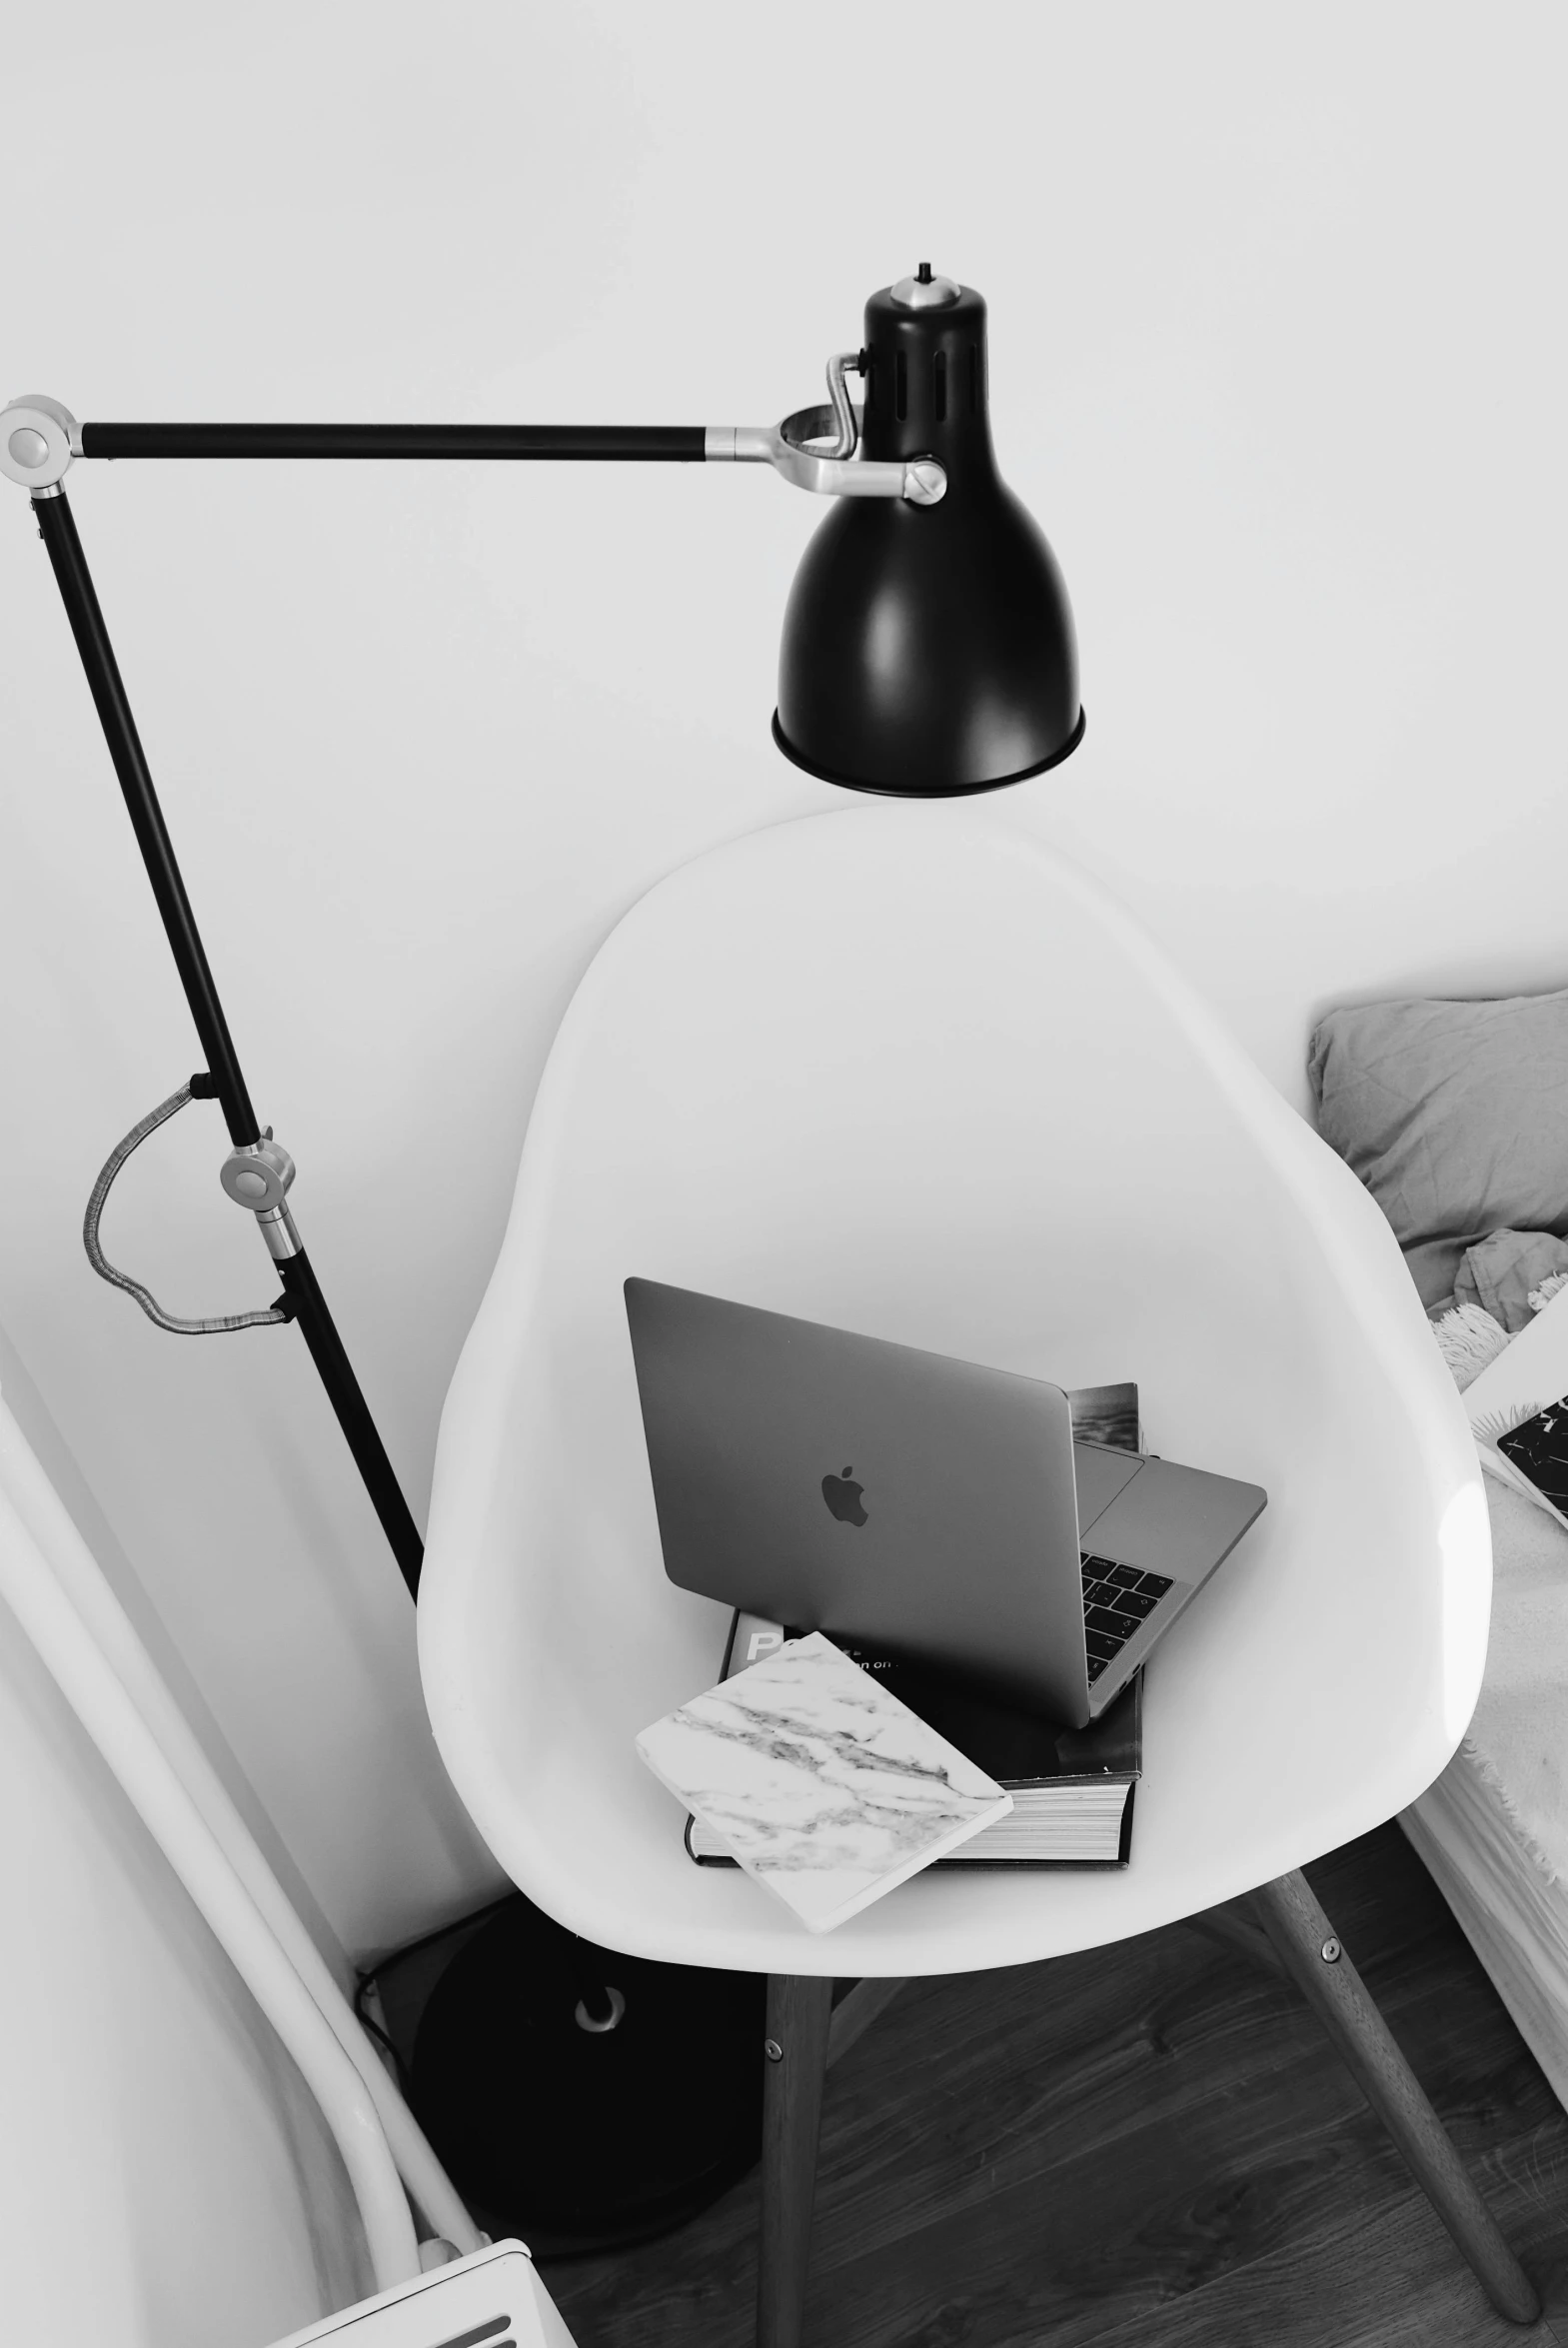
1099 1476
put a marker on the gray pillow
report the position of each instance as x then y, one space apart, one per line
1454 1115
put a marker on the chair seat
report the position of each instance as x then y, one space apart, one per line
901 1070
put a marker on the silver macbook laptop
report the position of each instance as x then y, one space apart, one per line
913 1505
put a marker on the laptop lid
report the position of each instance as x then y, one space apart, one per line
891 1498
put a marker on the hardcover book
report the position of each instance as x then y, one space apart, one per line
1072 1788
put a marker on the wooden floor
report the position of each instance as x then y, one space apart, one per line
1152 2144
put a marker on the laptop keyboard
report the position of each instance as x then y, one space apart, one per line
1116 1602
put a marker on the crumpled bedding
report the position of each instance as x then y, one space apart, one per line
1500 1272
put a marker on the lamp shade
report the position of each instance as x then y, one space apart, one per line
929 650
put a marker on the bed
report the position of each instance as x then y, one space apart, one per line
1493 1830
1455 1114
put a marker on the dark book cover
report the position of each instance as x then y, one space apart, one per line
1015 1748
1539 1449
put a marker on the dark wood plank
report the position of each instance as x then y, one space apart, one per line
1151 2143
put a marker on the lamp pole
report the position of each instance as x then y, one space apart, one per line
258 1171
253 1170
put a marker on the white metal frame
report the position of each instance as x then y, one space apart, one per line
87 1642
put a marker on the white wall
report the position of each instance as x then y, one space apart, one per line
1278 361
167 2182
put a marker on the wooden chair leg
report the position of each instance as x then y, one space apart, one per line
795 2063
1313 1956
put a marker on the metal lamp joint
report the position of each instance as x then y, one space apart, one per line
813 448
39 442
258 1176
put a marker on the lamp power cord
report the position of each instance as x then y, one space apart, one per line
216 1323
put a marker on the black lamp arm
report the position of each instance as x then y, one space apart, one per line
814 449
669 444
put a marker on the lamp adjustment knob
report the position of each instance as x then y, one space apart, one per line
924 292
38 441
258 1176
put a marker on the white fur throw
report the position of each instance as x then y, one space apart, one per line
1469 1339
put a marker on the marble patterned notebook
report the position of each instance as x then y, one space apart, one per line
823 1786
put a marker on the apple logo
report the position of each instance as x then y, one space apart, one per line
844 1497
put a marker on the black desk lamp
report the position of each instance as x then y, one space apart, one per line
928 646
928 652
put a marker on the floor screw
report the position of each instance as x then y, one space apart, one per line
772 2051
1330 1953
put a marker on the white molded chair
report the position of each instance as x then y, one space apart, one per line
901 1070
